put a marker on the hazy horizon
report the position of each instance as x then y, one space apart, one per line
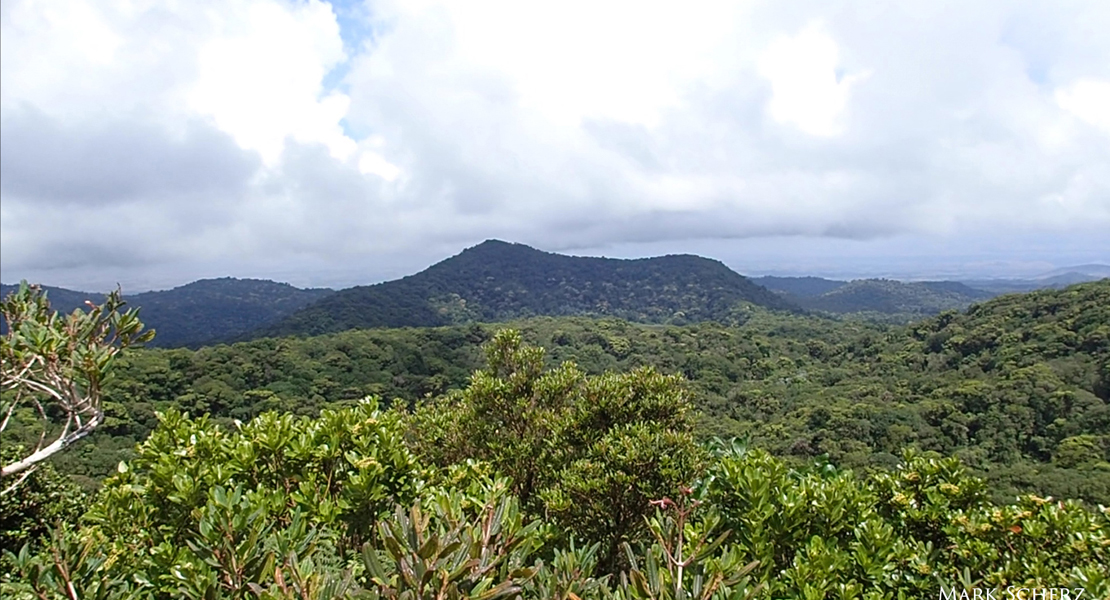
742 260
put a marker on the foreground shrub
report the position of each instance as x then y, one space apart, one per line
926 525
753 528
590 453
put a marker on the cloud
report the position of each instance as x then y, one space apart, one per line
1089 100
106 161
806 88
257 133
260 78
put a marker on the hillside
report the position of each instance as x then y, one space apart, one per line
885 296
1057 278
799 287
61 299
201 311
903 301
498 281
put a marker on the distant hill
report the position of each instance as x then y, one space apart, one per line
800 287
61 299
201 311
895 297
497 281
1092 272
884 296
1055 279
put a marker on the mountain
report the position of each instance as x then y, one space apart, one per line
1055 279
201 311
1092 272
800 287
895 297
212 309
884 296
497 281
61 299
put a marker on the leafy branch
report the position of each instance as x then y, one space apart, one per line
56 365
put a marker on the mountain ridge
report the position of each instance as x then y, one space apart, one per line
200 311
497 280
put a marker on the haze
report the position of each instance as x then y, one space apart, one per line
332 144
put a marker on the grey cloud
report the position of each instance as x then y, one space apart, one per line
946 137
630 141
116 160
115 194
314 204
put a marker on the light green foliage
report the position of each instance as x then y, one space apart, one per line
687 559
605 495
589 452
522 484
760 530
73 568
54 367
439 553
342 469
824 533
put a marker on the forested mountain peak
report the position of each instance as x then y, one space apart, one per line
200 311
497 281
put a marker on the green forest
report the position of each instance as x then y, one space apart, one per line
781 455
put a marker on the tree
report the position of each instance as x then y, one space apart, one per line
590 452
54 367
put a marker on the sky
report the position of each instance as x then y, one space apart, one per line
153 142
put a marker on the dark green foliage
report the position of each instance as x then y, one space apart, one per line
219 309
905 300
44 500
498 281
799 287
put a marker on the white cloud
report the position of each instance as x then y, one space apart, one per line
572 124
623 60
1089 100
373 163
806 90
260 77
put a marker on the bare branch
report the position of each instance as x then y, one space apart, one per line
60 360
11 488
8 415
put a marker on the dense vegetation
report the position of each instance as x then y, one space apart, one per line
497 281
606 496
202 311
799 287
1016 387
